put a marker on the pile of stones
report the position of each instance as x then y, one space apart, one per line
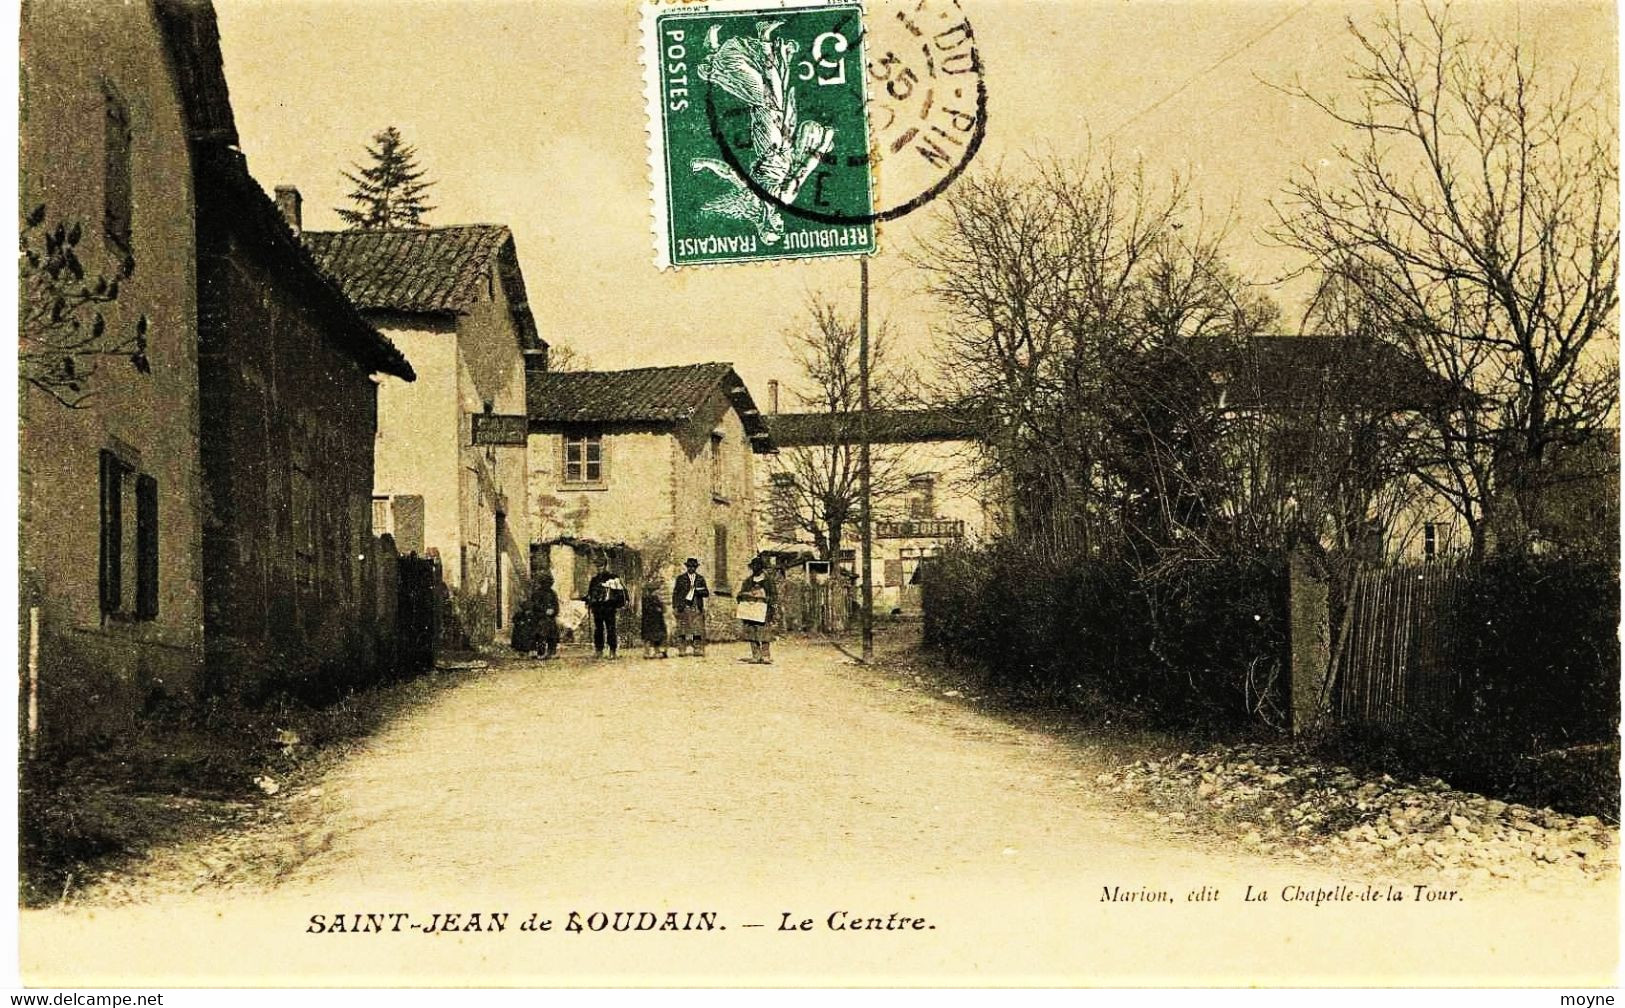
1305 809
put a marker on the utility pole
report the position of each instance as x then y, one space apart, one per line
865 526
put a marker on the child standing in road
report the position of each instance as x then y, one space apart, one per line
652 625
544 605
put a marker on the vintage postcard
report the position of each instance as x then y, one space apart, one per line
818 493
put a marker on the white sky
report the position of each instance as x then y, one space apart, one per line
531 114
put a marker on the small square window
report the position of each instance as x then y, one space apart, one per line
583 458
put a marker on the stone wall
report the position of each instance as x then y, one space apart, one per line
288 466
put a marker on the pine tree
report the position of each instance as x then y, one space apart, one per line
389 192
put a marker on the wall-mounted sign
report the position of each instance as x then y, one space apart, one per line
500 428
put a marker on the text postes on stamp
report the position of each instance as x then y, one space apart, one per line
759 139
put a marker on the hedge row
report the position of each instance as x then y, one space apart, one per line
1534 642
1537 645
1197 642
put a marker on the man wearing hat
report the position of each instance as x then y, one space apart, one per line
688 597
757 599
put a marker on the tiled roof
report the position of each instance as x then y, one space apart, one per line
641 395
885 427
411 269
193 40
230 199
1294 371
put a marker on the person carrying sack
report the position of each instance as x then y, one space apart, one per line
756 605
606 594
688 595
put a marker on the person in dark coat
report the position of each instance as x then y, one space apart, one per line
688 597
758 600
522 638
606 594
544 602
652 621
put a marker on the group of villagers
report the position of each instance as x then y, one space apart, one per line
536 626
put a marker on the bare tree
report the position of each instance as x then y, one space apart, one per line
816 486
564 357
1082 302
1033 269
1475 214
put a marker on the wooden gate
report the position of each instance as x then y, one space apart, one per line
1392 662
806 606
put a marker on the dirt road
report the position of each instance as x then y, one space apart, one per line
743 801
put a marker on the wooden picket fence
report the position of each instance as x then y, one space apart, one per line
1393 661
824 606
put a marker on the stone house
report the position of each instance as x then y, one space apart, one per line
661 459
453 299
933 496
139 544
110 492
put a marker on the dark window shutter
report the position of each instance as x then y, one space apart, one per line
146 547
116 176
112 557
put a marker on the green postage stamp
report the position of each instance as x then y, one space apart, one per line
758 138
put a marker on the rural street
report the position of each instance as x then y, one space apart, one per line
767 796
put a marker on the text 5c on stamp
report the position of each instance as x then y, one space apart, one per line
759 143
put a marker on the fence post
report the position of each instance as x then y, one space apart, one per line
1309 640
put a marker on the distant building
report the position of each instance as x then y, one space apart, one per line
661 459
453 299
202 525
1305 419
939 495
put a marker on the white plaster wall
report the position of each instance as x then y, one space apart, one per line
633 505
416 448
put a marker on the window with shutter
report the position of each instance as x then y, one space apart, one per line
116 189
722 585
127 573
922 502
782 507
146 547
719 471
112 556
382 515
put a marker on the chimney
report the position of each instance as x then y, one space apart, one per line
536 358
289 204
773 397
